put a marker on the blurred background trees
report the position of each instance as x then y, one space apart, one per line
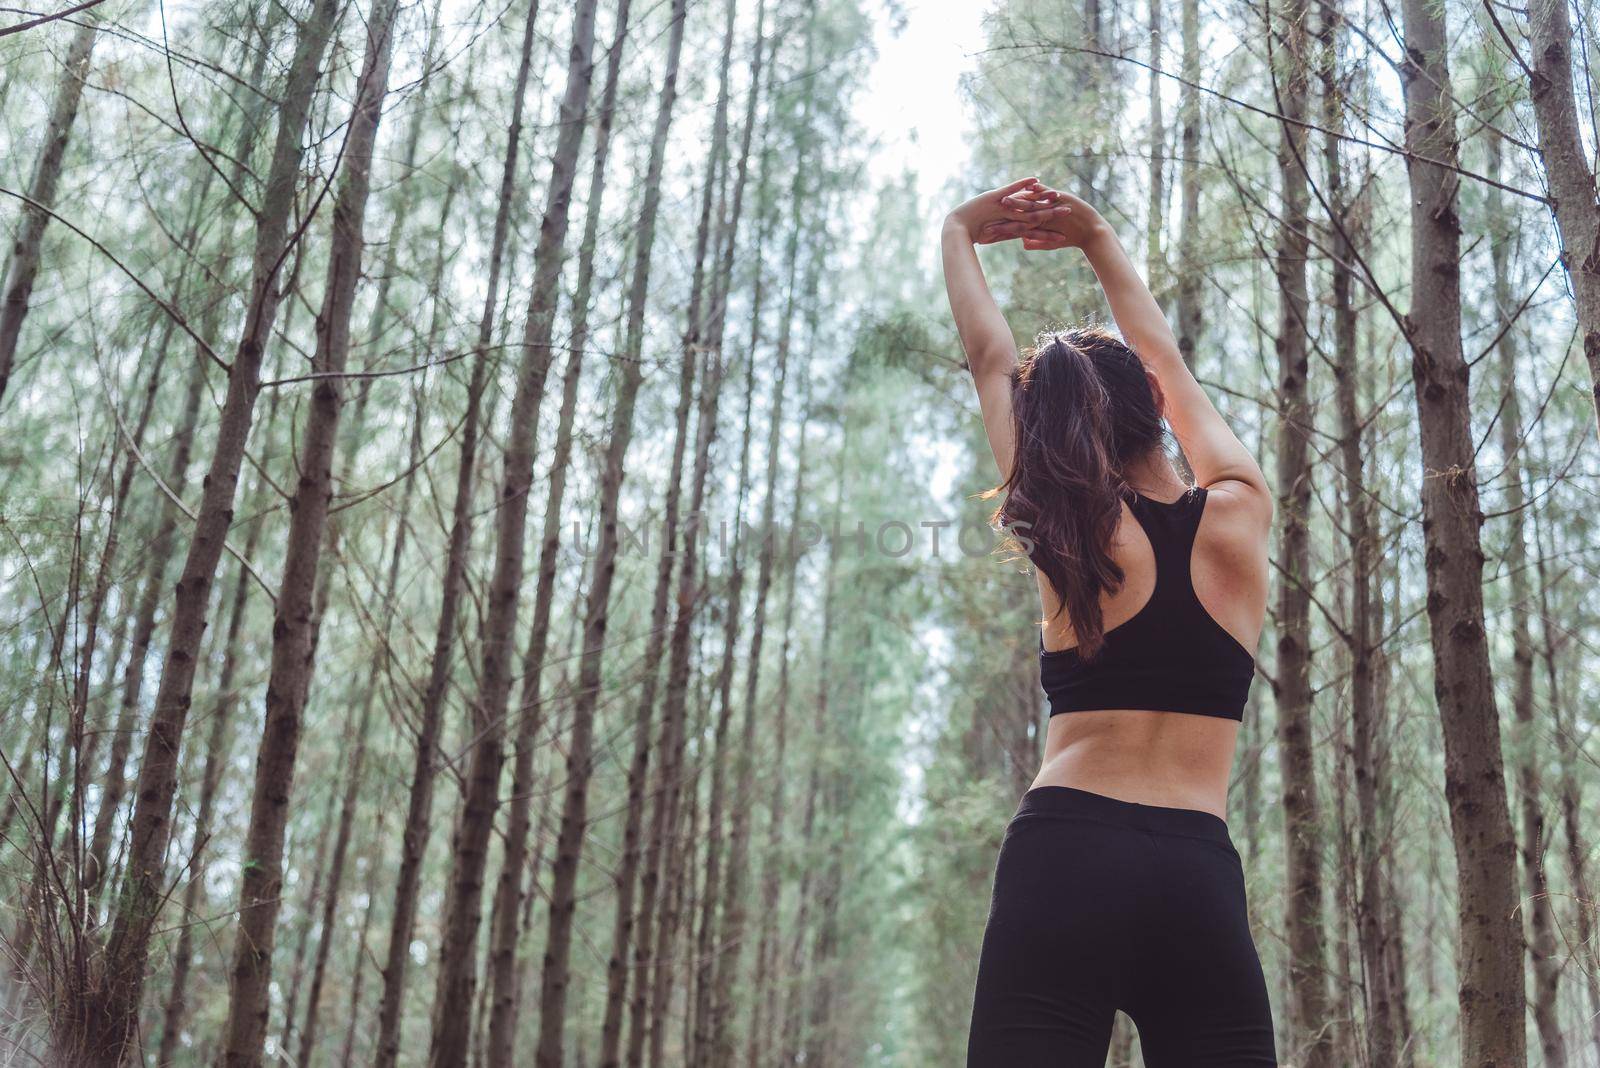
493 555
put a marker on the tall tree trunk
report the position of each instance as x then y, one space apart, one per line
1491 985
1310 1032
305 916
1578 876
764 991
1576 851
208 330
463 911
1347 218
1544 954
161 545
733 936
699 343
639 764
295 626
351 435
86 743
353 773
358 975
419 810
503 965
22 265
1155 211
115 989
707 959
1570 178
1189 311
681 864
795 1041
663 817
218 740
630 376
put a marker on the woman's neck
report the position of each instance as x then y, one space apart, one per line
1154 476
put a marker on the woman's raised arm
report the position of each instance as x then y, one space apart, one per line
997 215
1218 458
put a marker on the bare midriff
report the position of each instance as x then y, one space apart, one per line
1170 759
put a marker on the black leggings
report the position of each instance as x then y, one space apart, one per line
1101 905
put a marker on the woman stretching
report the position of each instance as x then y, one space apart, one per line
1117 886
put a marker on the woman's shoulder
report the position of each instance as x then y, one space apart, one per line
1239 508
1234 527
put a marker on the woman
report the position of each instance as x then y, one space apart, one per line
1117 886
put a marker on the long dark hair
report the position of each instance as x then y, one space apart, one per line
1082 409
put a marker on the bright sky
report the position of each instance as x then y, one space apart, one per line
912 105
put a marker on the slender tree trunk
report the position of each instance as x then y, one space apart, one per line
1370 908
706 1013
795 1042
630 377
22 265
699 343
673 736
1156 211
1386 569
1578 876
822 1036
649 877
352 435
628 873
1491 984
1576 851
110 1004
358 973
218 740
414 837
764 991
503 964
161 546
681 862
208 330
353 773
1567 171
1310 1031
469 853
458 972
739 840
627 877
294 628
305 916
1544 954
1189 310
86 743
405 202
1122 1043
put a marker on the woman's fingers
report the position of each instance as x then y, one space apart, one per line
1001 230
1016 186
1037 214
1032 197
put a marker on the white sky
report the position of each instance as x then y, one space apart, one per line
912 105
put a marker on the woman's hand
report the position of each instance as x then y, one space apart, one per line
1050 219
1017 210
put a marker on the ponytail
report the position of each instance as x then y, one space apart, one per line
1081 409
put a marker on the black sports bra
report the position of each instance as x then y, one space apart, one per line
1171 656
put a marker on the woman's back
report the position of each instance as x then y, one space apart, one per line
1153 716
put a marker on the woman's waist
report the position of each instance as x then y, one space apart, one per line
1150 758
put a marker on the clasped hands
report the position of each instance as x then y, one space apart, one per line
1040 217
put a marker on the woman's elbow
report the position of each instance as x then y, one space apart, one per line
990 359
